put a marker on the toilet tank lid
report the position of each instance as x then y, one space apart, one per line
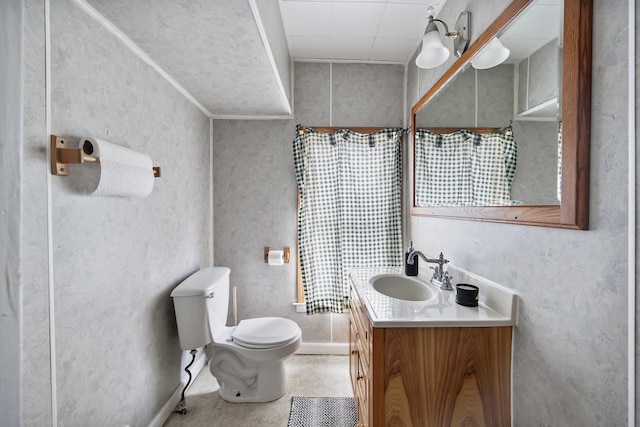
200 282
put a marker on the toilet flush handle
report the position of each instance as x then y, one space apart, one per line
210 295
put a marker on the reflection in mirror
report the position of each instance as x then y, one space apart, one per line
545 79
466 167
512 81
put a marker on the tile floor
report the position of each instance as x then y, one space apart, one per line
307 375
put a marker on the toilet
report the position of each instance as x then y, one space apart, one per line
248 359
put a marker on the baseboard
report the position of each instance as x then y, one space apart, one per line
168 408
341 348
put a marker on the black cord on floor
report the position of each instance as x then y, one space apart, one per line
182 404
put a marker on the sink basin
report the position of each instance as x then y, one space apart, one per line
402 287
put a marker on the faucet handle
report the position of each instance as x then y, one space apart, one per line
446 281
442 260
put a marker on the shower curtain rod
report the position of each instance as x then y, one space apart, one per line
331 129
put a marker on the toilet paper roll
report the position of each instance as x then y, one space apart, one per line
122 172
276 257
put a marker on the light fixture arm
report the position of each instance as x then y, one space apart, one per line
448 34
461 33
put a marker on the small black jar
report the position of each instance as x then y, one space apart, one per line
467 294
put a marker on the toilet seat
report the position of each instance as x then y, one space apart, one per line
265 332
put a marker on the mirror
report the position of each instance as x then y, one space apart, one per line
550 122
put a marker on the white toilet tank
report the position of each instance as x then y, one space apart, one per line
201 304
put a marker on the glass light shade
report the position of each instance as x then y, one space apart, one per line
433 52
492 55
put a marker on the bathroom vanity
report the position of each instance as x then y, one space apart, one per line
432 362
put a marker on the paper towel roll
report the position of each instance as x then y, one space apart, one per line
276 257
122 171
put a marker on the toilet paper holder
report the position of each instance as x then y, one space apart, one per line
61 156
286 254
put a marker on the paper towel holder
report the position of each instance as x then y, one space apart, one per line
286 254
61 156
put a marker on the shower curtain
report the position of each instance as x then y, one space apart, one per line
465 168
350 209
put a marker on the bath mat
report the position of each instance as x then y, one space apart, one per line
322 412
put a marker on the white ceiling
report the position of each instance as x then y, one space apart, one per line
390 31
541 23
387 31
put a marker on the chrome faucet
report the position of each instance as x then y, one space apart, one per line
440 278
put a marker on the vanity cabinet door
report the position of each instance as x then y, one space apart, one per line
447 376
354 357
359 349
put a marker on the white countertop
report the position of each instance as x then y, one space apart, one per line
497 304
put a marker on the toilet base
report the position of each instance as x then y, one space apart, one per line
270 384
250 375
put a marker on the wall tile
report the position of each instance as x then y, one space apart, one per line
11 43
367 95
312 93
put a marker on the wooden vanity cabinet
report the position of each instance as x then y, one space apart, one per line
429 376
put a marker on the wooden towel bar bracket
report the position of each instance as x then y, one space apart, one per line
62 156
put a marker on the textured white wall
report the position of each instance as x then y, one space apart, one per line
115 261
255 191
10 211
570 345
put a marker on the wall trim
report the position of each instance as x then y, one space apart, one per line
331 94
211 195
250 117
631 209
341 348
355 61
50 280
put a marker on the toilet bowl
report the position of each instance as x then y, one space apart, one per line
248 359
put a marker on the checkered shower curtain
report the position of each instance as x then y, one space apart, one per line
443 168
464 168
350 209
493 166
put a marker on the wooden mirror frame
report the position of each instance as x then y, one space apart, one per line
573 211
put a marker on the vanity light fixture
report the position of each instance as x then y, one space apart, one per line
493 54
433 52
